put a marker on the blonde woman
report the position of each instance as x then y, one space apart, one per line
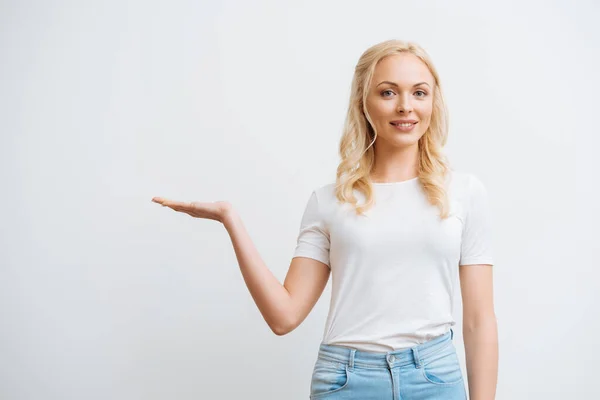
396 230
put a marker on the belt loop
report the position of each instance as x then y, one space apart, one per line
351 361
416 357
451 334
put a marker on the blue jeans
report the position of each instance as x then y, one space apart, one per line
430 370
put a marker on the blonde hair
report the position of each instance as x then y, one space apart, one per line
356 145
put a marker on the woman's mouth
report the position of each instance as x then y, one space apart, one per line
404 126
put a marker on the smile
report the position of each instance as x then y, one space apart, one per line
404 127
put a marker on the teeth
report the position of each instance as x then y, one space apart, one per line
405 125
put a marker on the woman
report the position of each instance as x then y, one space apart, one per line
395 257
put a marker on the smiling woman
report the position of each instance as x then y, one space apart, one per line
399 97
395 257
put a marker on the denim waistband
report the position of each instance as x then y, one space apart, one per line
410 356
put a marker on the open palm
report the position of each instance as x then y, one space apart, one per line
216 210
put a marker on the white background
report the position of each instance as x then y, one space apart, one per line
103 105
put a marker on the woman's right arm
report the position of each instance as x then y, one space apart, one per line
283 307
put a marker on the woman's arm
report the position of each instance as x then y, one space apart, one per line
272 298
285 306
480 331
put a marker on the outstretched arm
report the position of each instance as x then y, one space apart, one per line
283 307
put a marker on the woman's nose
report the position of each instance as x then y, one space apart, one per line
404 105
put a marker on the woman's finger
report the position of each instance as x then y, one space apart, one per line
210 210
163 202
171 203
178 206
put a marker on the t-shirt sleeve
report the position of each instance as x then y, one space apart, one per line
476 244
313 238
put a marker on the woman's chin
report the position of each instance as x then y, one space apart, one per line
405 139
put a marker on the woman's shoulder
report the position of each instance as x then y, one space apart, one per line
466 187
463 180
325 192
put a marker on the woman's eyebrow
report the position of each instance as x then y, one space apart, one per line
394 84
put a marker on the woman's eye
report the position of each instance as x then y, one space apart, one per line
420 93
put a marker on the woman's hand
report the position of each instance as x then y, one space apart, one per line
217 211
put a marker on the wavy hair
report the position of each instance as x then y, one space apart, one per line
356 145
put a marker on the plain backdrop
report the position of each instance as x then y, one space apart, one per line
106 104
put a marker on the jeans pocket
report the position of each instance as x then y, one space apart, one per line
443 368
328 377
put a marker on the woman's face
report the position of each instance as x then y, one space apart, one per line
401 89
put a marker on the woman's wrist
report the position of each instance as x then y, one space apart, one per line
229 217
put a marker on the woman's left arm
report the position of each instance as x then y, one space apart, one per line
480 331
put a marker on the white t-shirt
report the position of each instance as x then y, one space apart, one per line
394 271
